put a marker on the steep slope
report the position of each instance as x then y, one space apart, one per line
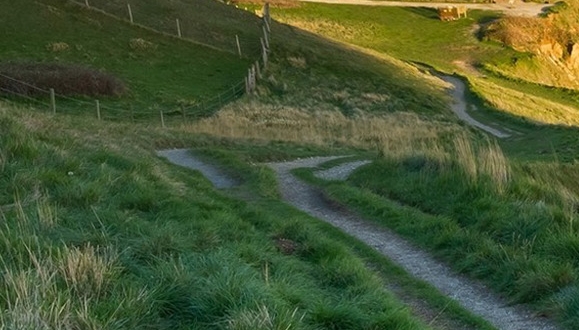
159 71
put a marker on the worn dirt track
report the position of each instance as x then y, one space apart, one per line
471 295
516 9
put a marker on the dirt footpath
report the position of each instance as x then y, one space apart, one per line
516 9
473 296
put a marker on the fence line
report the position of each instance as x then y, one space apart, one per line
247 86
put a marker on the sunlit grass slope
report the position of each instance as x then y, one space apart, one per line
410 34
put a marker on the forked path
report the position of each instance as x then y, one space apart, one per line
471 295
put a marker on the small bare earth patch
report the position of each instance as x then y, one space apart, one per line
67 79
286 246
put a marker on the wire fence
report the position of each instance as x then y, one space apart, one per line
16 90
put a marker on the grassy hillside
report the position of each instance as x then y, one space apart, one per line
160 72
100 233
411 34
208 22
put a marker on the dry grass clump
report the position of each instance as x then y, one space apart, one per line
57 47
390 133
527 33
297 62
486 161
86 270
522 33
48 288
141 44
66 79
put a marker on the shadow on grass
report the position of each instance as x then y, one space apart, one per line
430 13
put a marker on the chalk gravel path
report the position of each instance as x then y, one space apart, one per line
472 296
516 9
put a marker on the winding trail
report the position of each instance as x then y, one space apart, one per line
516 9
471 295
459 106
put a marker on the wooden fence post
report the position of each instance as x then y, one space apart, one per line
258 70
86 3
265 11
162 119
52 100
266 23
238 45
264 53
178 28
98 109
265 37
246 85
130 13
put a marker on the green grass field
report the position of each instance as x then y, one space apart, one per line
410 34
162 75
99 233
102 234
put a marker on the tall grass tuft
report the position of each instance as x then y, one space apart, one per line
86 270
494 165
466 158
263 317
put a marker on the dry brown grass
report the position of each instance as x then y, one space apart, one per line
522 33
141 45
527 33
389 133
398 136
64 78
